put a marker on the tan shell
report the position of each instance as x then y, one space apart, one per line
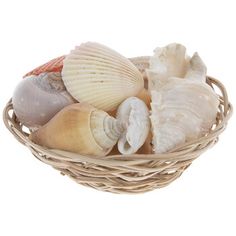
98 75
79 128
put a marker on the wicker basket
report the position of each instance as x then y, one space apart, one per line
125 173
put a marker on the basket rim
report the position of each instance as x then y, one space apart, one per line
181 152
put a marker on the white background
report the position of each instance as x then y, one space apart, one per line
36 200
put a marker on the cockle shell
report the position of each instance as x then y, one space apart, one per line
168 61
56 64
134 116
183 109
37 99
79 128
98 75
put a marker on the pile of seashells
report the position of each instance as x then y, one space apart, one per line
96 102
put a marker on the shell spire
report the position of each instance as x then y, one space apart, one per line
196 69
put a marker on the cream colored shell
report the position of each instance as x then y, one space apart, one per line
133 114
183 109
168 61
98 75
79 128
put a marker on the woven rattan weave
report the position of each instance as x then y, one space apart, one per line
126 173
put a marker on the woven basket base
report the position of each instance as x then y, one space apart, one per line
135 173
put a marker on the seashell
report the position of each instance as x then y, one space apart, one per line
176 117
37 99
79 128
98 75
167 61
133 114
54 65
196 69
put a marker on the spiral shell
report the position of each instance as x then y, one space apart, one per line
79 128
134 116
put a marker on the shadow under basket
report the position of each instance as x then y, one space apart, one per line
126 173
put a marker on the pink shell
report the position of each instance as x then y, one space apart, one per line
55 65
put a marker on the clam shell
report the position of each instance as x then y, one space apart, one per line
98 75
37 99
79 128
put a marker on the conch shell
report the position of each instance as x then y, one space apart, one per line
168 61
96 74
133 114
79 128
176 117
37 99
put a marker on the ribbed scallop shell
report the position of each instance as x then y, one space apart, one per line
98 75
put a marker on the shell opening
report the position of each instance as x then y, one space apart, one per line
134 116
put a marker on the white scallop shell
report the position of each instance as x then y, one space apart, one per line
98 75
37 99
